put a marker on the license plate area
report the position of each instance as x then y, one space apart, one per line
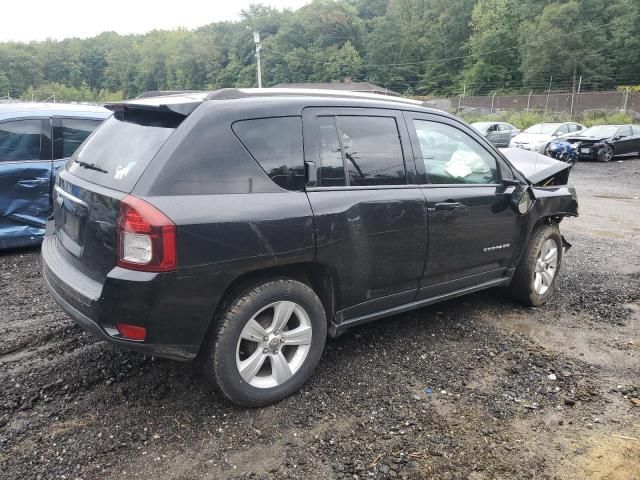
70 215
585 150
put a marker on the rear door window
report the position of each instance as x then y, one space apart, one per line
122 147
331 172
276 144
20 140
358 150
70 135
372 150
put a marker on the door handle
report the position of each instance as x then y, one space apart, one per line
32 182
311 171
447 206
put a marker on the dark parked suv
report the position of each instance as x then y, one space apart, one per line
243 226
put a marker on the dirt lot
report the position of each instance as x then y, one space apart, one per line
474 388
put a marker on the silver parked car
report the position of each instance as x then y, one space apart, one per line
537 136
498 133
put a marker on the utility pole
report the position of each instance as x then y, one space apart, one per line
626 100
573 94
464 91
256 40
546 104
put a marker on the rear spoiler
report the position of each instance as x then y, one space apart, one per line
182 103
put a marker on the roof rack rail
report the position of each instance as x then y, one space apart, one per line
164 93
233 93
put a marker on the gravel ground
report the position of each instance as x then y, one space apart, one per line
474 388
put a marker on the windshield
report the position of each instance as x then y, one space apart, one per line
121 148
481 126
547 128
602 131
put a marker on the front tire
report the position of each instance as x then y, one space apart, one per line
268 342
536 275
605 153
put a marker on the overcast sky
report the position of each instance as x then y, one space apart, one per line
41 19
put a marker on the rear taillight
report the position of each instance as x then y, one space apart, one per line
132 332
146 237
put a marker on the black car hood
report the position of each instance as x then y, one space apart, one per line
537 168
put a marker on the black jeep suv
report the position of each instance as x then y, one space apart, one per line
244 226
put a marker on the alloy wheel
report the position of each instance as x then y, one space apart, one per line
546 267
274 344
606 154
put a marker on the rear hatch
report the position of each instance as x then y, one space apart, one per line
102 172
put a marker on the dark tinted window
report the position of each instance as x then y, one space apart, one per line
276 144
451 156
73 132
331 171
122 147
20 140
372 150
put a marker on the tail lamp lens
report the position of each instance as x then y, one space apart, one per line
146 237
132 332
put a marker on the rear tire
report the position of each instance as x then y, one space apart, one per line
536 275
267 343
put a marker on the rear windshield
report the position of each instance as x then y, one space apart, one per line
121 148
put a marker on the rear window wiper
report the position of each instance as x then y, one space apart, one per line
90 166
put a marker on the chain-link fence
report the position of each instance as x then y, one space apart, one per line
555 103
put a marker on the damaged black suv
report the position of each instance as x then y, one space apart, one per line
244 226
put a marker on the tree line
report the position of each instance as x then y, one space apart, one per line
415 47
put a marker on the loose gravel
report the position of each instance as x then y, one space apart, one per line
474 388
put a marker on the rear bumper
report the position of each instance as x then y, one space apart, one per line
137 298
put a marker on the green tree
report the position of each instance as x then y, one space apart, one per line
427 47
494 57
552 49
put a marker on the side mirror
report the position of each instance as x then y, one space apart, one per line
511 182
522 199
